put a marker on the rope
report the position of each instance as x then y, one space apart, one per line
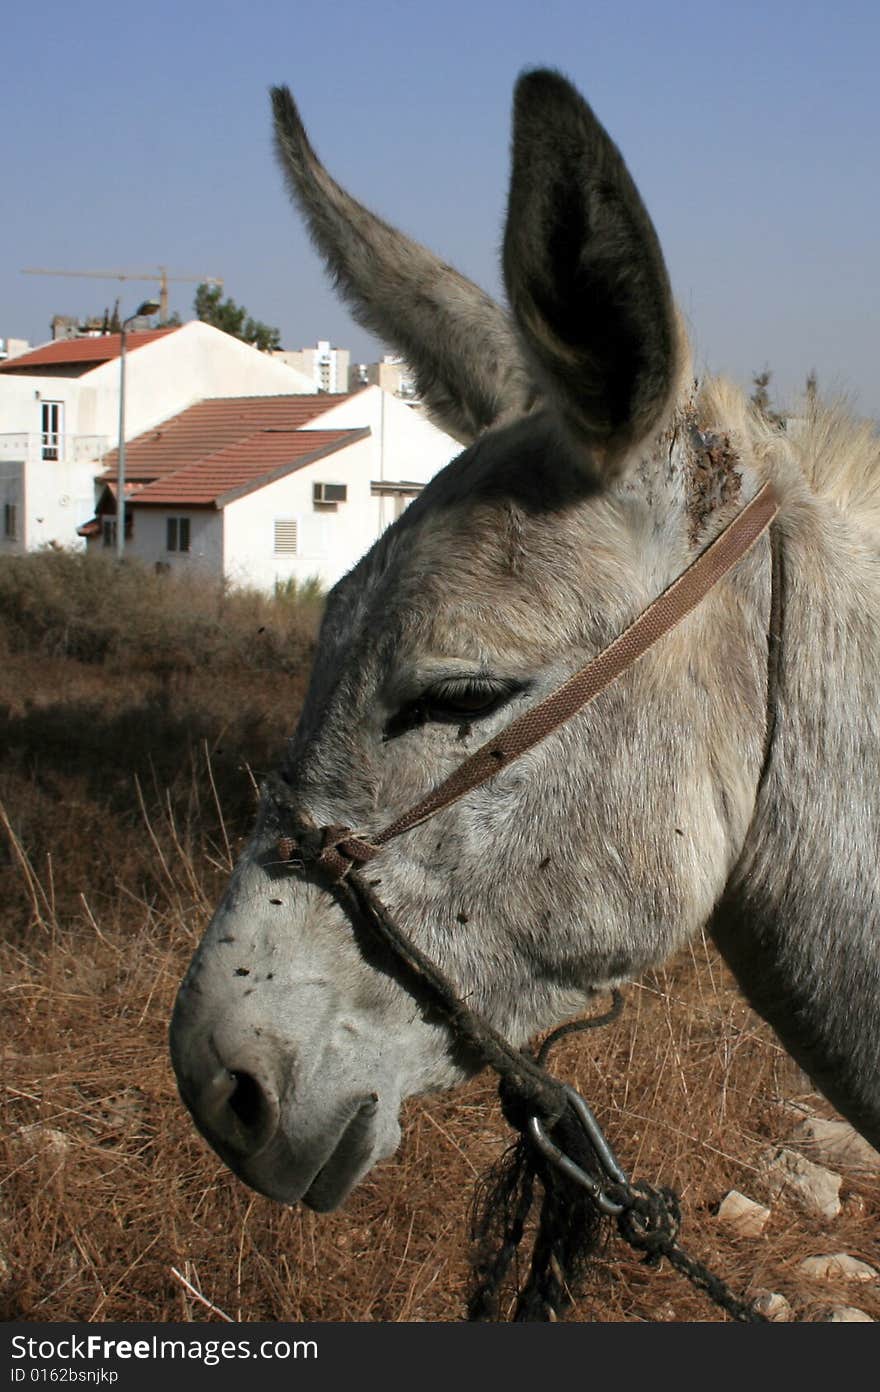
570 1223
539 1093
568 1153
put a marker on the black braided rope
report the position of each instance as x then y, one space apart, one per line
567 1233
502 1203
570 1224
540 1093
650 1224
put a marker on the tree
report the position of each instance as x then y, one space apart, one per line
760 397
812 389
233 319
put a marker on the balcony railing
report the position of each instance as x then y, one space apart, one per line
24 446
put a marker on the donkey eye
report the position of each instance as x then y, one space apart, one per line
453 701
470 697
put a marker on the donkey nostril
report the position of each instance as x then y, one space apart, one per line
247 1101
234 1109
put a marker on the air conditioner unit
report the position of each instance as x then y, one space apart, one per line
329 492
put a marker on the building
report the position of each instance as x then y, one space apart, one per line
262 491
59 414
392 374
12 348
326 367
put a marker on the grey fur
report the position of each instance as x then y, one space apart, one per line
584 271
459 343
652 813
800 919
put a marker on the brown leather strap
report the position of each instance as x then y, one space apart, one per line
342 847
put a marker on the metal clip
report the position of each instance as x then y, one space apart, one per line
597 1140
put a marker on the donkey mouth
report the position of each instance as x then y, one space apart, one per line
353 1156
322 1182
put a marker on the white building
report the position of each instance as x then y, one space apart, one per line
326 367
59 414
263 491
392 373
12 348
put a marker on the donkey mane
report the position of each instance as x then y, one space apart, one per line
798 920
836 452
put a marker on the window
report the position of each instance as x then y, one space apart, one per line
10 521
51 413
177 534
327 496
110 528
285 536
401 495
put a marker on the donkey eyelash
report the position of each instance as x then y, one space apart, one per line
453 701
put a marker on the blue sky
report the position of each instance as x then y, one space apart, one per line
137 135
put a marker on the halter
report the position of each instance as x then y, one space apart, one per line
581 1176
340 847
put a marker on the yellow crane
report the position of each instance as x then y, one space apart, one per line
160 276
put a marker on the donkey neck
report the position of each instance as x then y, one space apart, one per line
799 922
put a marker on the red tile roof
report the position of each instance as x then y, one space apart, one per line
80 352
210 426
262 457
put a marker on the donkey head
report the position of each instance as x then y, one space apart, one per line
588 483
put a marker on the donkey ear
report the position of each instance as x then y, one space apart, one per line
461 346
585 275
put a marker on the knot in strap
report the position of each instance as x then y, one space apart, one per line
332 849
650 1220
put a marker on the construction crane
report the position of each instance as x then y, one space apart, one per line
160 275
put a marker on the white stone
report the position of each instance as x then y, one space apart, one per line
743 1215
846 1314
772 1306
816 1189
38 1139
836 1143
122 1111
837 1266
797 1110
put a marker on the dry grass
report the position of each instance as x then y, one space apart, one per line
113 777
63 603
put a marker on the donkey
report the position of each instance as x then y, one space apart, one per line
727 780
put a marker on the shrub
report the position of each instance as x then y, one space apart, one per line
68 604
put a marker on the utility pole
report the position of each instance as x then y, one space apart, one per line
148 307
